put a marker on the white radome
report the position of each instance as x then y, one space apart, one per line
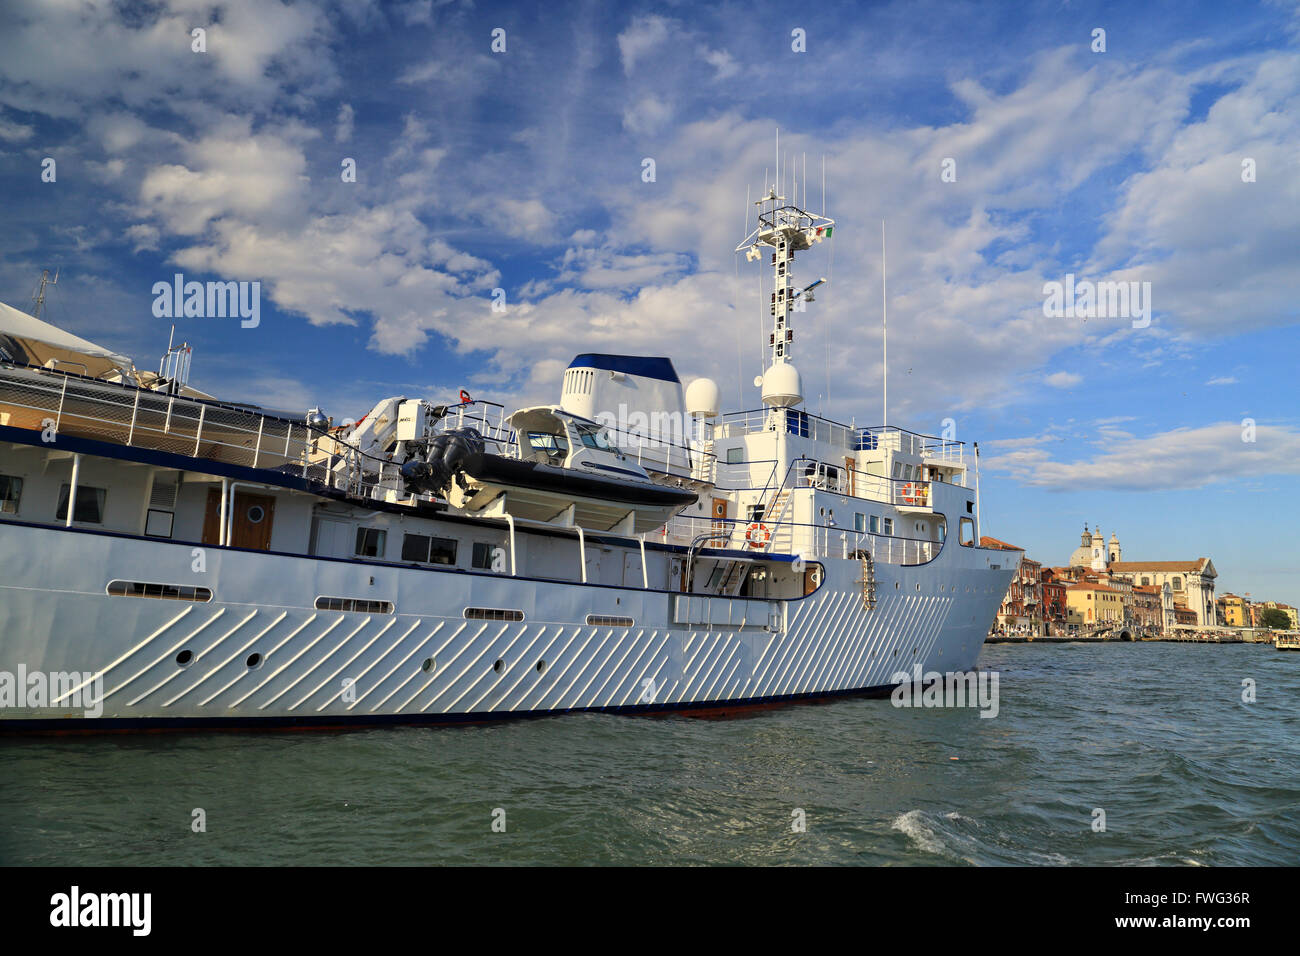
782 386
703 398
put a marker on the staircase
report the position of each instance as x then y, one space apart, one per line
734 578
782 540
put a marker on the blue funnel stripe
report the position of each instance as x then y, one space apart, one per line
645 366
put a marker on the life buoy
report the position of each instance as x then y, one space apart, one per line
913 494
464 397
757 534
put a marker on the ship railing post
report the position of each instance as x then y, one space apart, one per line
510 520
645 573
198 432
288 433
130 435
72 490
58 418
582 553
257 449
225 507
167 422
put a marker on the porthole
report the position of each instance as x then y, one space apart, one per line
253 660
918 585
896 585
541 667
256 514
184 658
427 665
498 665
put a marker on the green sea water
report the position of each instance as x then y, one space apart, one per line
1155 735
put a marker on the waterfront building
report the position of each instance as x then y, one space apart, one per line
1022 605
1148 611
1192 582
1288 610
1053 586
1233 610
1091 603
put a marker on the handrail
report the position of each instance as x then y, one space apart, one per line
808 539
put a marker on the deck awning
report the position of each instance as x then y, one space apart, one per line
34 342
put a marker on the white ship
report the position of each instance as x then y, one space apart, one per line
170 560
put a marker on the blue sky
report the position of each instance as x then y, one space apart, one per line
522 170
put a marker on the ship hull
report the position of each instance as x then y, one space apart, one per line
170 664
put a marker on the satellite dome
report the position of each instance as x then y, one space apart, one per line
702 398
782 386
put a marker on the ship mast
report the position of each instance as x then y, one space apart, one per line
39 298
786 228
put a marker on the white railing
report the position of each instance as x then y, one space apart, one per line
809 541
135 417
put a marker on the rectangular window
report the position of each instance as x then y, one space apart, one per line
889 526
492 614
11 490
859 521
427 550
370 542
90 504
482 557
735 456
163 592
609 620
358 605
966 533
875 524
755 513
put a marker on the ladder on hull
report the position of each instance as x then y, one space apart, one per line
868 581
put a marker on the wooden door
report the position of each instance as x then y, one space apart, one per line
848 466
720 522
253 518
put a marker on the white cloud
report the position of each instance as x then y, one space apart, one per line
12 132
1180 458
643 35
1063 379
344 124
1222 380
254 50
649 115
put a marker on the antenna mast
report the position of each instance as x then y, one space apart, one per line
884 330
40 293
787 228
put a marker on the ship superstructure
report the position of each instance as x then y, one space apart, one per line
171 560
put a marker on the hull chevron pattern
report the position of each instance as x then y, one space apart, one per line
171 561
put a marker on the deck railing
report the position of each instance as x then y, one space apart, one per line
40 399
809 541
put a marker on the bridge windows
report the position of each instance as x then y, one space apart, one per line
11 491
425 549
370 542
89 508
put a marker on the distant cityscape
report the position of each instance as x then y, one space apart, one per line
1099 594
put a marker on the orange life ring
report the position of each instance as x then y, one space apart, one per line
912 494
757 534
